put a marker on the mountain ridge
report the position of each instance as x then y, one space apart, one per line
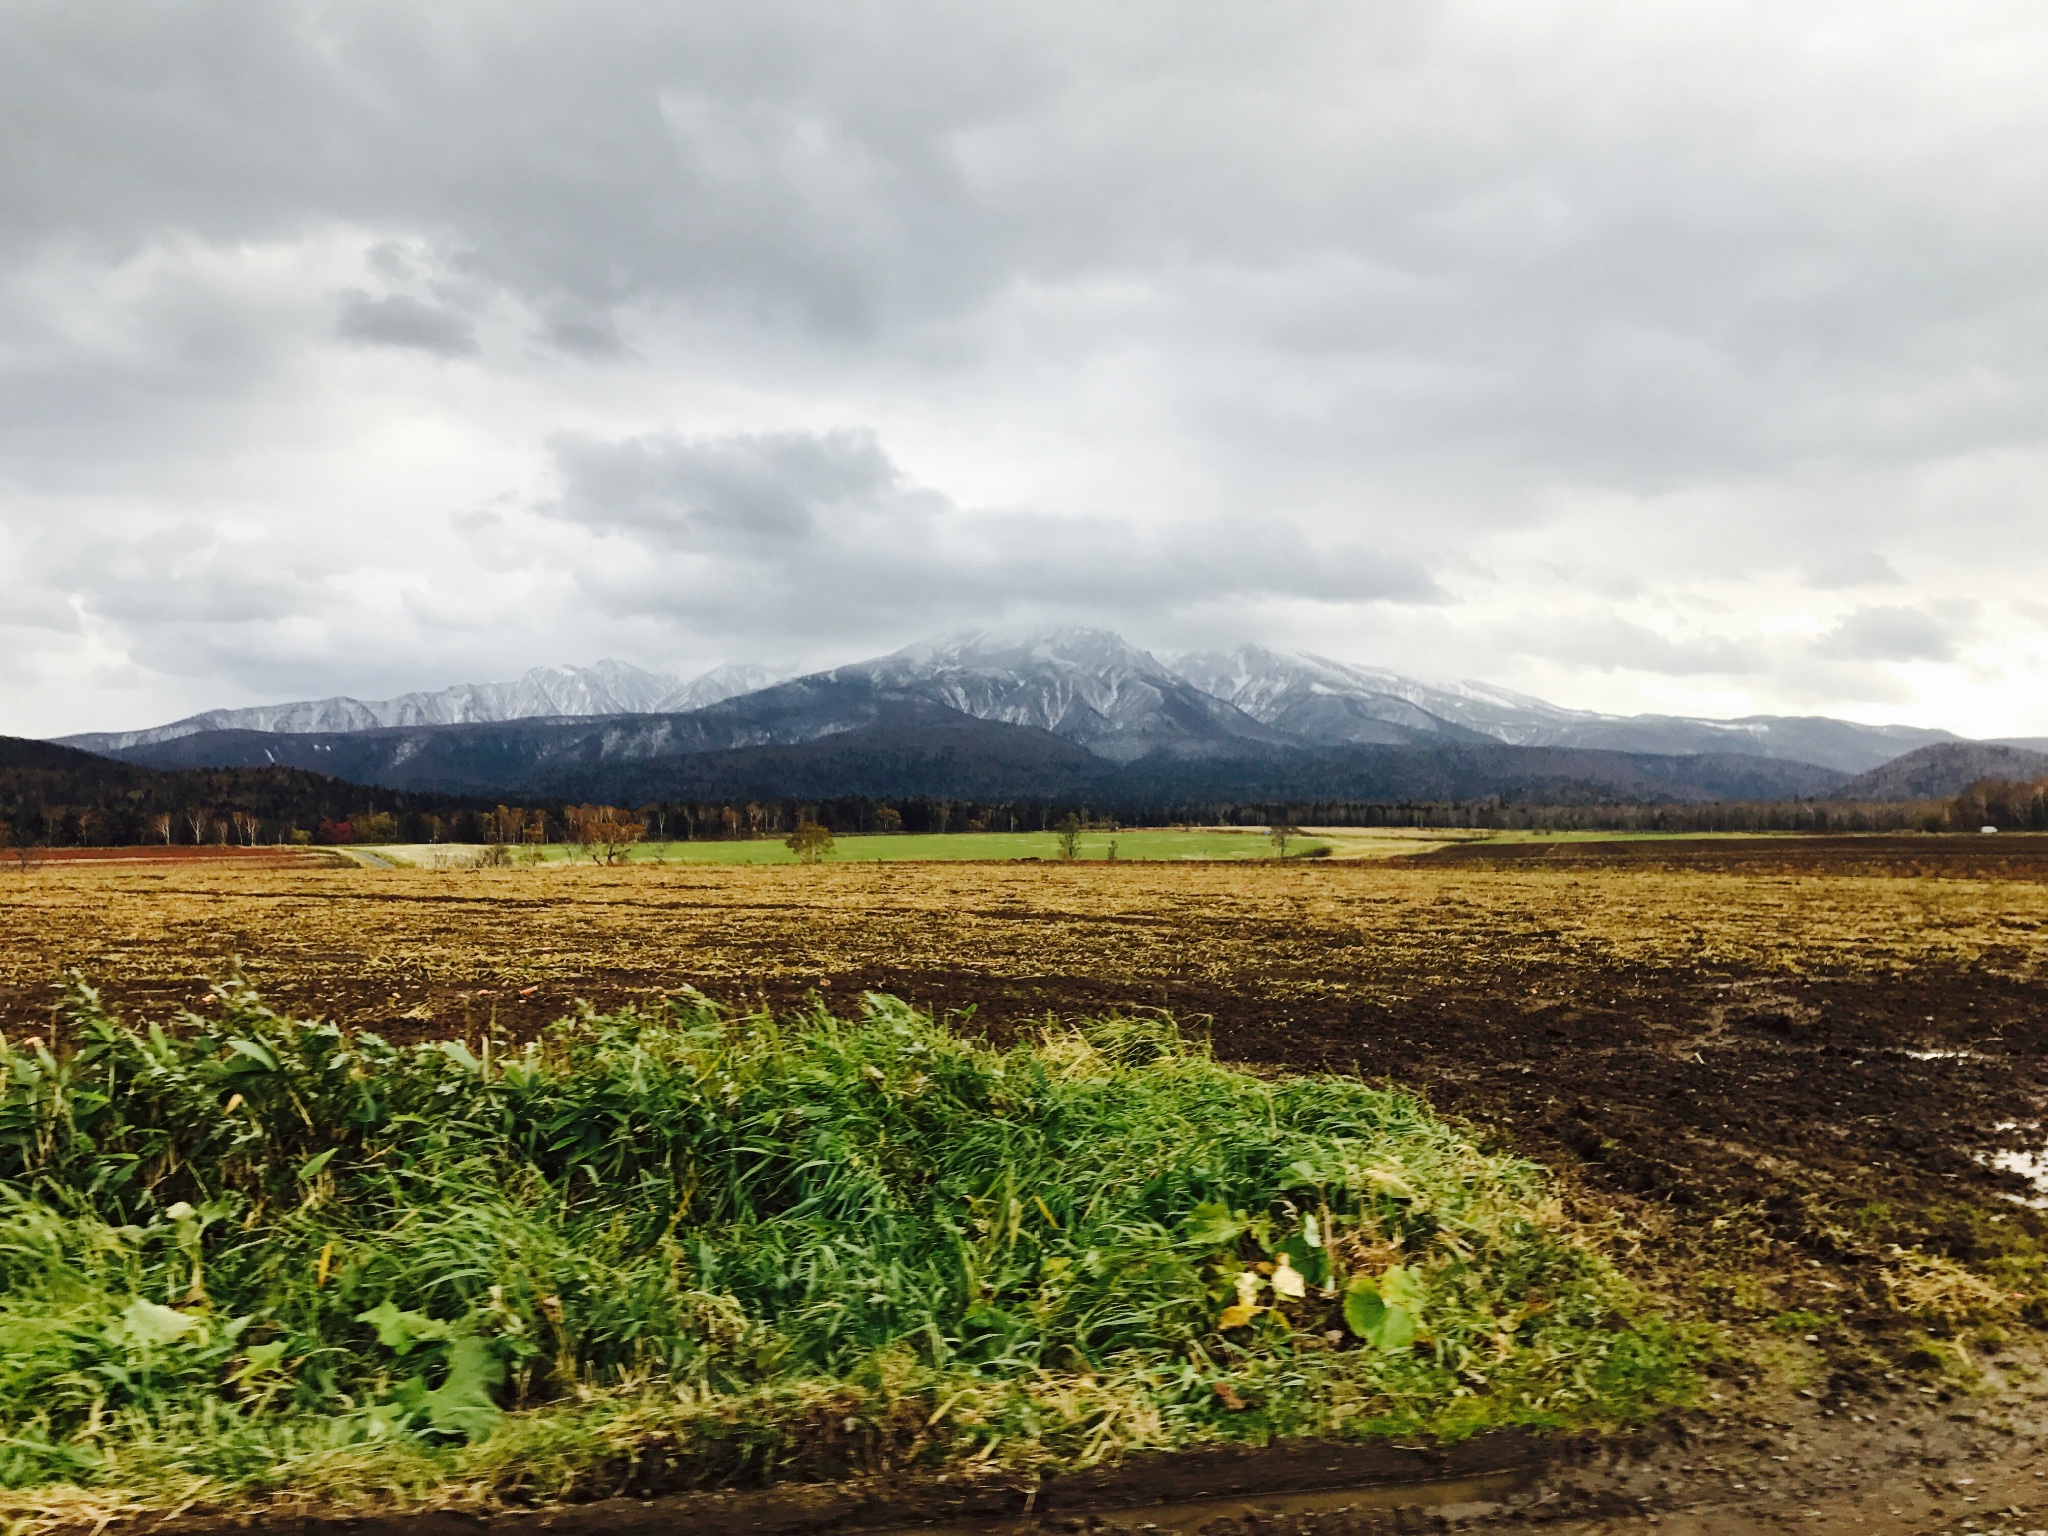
607 687
1092 687
1945 769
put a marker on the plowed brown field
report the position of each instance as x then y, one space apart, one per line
1780 1067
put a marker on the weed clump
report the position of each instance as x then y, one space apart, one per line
260 1256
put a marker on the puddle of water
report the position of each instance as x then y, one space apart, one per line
1464 1498
2031 1166
1942 1055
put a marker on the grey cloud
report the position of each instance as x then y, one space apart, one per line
1617 644
1303 304
1889 634
585 335
746 488
1851 568
1520 279
398 320
821 535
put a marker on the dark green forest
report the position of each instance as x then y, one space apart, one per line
52 796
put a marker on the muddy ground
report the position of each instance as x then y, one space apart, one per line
1777 1071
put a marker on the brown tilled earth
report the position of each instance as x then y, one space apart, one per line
1775 1070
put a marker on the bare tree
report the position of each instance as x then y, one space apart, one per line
198 819
603 832
1281 833
161 825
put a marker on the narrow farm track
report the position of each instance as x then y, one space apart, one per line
1768 1069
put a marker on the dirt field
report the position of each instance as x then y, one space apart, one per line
1780 1068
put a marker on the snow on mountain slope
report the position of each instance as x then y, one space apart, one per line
1086 685
1322 701
1331 701
720 683
606 688
1096 689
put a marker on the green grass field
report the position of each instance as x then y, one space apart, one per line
1137 843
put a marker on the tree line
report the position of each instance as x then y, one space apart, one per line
2005 804
56 797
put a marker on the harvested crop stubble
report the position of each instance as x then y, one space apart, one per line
260 1258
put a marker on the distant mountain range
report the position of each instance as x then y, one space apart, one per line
1056 714
608 688
1330 701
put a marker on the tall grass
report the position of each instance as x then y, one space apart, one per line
257 1253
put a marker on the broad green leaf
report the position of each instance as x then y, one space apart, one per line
1402 1287
1385 1313
144 1322
1311 1260
399 1331
1212 1225
463 1404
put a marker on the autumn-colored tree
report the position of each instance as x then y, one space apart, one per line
888 819
375 827
810 842
604 833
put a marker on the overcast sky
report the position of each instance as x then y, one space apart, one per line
1687 357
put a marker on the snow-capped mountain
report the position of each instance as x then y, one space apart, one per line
730 681
1087 685
1331 701
606 688
1320 700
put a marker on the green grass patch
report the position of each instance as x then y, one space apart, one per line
1144 843
256 1257
1800 1321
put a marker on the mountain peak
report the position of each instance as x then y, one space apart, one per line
1089 685
1058 645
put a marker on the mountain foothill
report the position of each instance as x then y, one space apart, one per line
1066 716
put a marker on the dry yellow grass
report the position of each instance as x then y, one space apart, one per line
386 944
